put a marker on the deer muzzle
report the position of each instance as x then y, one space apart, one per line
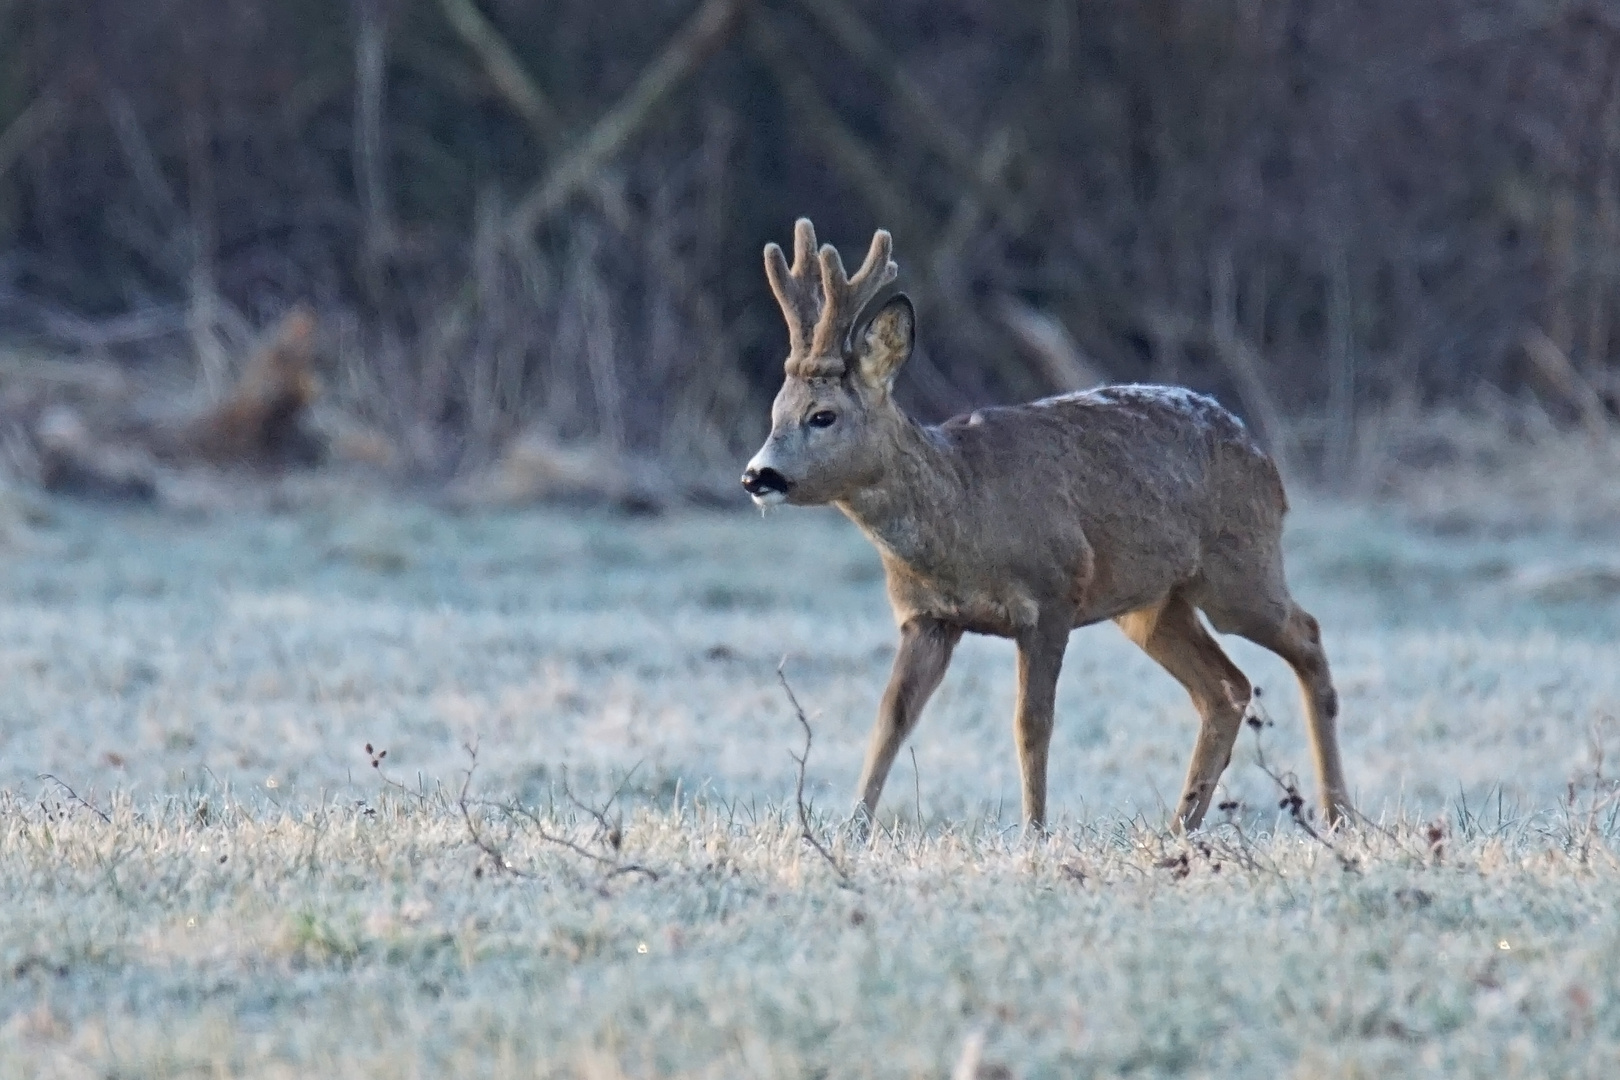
765 485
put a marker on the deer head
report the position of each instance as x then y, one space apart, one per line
834 418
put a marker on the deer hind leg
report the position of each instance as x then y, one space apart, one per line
1297 638
1251 599
1173 636
919 666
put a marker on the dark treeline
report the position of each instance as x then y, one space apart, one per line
521 215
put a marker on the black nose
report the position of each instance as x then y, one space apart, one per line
759 481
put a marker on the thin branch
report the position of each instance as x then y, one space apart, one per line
705 32
1605 793
525 98
74 796
806 829
496 855
514 809
849 153
504 69
377 757
370 102
1044 337
861 42
1292 800
1555 370
612 828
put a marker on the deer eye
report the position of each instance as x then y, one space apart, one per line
824 418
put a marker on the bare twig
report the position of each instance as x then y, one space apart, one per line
76 331
528 100
613 829
370 159
807 831
1559 374
504 69
850 155
377 757
858 39
1292 800
74 796
1044 337
496 855
916 780
702 34
615 867
513 810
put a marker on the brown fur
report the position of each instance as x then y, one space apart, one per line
98 440
258 423
1143 505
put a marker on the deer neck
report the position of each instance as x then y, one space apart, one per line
906 512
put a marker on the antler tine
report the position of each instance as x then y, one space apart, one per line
804 246
845 297
797 288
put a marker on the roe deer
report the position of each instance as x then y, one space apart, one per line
1141 504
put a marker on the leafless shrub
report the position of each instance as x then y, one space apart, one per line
610 834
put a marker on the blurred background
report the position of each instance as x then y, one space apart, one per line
528 228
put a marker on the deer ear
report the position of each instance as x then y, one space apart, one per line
886 342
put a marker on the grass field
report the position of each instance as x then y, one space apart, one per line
230 888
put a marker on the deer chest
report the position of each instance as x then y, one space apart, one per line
999 607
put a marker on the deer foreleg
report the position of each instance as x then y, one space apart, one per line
919 665
1040 658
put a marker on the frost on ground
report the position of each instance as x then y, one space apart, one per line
231 887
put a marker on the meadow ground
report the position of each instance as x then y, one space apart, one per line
231 888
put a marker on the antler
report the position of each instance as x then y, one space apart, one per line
819 325
798 290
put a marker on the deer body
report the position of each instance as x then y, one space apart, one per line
1139 504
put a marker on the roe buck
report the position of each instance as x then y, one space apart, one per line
1141 504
